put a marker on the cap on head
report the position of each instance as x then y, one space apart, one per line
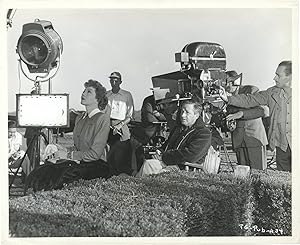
233 76
12 124
115 74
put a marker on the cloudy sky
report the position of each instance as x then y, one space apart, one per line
141 43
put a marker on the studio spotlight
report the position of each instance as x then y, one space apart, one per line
39 46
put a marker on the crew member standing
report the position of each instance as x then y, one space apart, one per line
121 104
278 98
249 139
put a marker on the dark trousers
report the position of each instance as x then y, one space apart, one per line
140 157
119 158
53 176
93 170
284 159
255 157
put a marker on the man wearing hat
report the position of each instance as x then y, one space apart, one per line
121 104
233 82
249 139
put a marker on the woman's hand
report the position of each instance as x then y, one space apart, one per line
54 152
60 154
235 116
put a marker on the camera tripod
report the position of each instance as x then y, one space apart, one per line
224 150
33 146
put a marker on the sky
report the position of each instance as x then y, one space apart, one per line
141 43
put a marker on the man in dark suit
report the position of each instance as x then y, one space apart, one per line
249 139
188 142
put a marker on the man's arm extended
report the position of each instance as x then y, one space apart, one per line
246 100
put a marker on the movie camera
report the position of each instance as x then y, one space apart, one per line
202 73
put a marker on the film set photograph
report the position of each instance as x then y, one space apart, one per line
151 123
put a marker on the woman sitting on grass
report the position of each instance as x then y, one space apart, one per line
86 159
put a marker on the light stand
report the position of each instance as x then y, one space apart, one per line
39 48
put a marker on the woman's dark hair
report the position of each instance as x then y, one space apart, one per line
100 93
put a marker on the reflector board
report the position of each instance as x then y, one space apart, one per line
43 110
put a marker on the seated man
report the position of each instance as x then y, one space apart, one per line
152 120
150 116
146 133
15 154
188 142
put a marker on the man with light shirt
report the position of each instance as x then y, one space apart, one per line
121 104
279 100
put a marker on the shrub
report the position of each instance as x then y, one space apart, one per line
95 208
218 203
169 204
273 207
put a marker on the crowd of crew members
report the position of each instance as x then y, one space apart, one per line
104 140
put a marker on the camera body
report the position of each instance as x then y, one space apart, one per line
205 65
218 120
153 146
149 150
202 73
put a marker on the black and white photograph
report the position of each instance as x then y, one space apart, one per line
150 123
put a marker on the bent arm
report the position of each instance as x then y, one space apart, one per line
149 114
129 113
253 113
130 109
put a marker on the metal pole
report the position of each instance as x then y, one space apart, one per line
49 134
49 86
